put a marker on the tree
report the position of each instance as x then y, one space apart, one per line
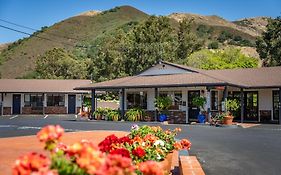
187 42
221 59
59 64
269 44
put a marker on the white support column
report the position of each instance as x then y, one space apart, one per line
186 104
2 103
208 103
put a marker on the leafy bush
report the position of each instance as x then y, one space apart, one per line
232 105
213 45
163 103
221 59
101 113
199 102
113 115
135 114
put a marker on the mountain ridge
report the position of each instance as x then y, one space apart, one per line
18 58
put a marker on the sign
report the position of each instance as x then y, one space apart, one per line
220 87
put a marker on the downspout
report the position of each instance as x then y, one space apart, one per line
280 106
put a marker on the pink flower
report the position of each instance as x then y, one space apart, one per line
30 163
50 133
150 168
116 164
88 156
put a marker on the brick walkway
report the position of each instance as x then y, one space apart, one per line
12 148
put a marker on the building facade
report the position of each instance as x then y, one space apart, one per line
257 89
19 96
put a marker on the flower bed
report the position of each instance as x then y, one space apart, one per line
136 153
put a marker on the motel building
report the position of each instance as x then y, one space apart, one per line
38 96
257 89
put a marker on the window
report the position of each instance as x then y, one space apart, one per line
55 100
137 99
177 98
214 100
33 100
163 94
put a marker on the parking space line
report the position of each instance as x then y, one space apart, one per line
13 117
45 116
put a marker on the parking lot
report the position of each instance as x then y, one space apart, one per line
255 150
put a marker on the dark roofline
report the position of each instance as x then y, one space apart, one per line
159 86
71 92
181 67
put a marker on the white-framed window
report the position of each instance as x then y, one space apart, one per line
33 100
55 99
214 100
137 99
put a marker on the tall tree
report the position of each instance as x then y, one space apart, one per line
187 41
269 44
59 64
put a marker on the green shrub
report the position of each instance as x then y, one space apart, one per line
113 115
213 45
163 103
135 114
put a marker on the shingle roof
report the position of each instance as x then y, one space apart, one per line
41 85
173 80
266 77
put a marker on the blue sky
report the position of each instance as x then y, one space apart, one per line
38 13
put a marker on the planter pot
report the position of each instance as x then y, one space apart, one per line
166 163
162 117
227 120
201 118
98 117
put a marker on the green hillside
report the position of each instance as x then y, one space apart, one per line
96 29
20 56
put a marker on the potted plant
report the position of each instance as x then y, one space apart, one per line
134 114
200 102
162 104
99 113
231 106
86 108
113 115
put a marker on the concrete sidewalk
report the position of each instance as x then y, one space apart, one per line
12 148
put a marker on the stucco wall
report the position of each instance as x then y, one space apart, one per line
265 99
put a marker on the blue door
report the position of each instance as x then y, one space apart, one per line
16 103
71 104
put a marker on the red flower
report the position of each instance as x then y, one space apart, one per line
50 133
106 144
121 151
150 168
32 162
139 152
186 144
124 139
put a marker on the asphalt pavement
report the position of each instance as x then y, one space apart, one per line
231 151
